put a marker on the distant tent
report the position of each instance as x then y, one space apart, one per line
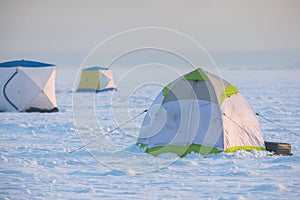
96 79
27 86
199 112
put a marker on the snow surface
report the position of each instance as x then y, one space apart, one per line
36 163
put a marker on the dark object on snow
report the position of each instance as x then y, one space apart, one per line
31 109
278 148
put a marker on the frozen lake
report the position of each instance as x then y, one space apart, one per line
35 163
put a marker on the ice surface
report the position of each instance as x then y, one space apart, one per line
35 163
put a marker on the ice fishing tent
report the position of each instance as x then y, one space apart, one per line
96 79
202 113
27 86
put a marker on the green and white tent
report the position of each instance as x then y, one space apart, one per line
200 112
96 79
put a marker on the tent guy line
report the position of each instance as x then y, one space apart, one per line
260 115
236 123
99 137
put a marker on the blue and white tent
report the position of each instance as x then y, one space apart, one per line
27 86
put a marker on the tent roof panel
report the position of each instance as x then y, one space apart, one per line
24 63
196 75
96 68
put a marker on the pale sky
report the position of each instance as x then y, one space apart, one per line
46 27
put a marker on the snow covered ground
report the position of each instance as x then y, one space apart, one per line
35 161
